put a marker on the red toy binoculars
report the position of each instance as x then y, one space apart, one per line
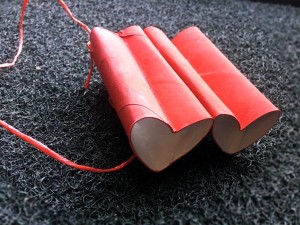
170 94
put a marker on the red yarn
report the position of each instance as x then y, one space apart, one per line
5 65
66 8
43 148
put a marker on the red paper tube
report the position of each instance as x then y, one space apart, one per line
253 114
187 73
161 116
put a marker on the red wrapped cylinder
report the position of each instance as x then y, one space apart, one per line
250 114
161 116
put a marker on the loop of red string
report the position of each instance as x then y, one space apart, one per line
88 79
20 46
66 8
43 148
21 37
87 29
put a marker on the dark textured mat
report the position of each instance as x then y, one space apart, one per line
284 2
43 96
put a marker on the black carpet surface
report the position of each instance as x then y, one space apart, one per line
43 97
